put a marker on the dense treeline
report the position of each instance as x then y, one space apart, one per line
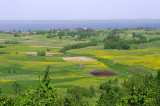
94 42
83 91
82 33
11 42
154 39
141 89
3 52
2 46
113 41
142 39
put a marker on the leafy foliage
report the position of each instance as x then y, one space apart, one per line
94 42
2 46
41 53
141 89
83 91
11 42
16 88
16 35
45 94
113 41
3 52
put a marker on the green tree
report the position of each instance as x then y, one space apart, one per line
41 53
139 90
9 70
16 35
158 76
116 81
134 34
60 34
16 88
92 90
74 97
45 94
109 98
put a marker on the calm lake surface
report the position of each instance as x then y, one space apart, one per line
47 25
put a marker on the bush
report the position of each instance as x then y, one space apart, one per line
82 91
92 90
16 35
154 39
3 52
41 53
116 45
11 42
2 46
48 49
51 36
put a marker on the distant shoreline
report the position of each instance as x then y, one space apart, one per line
62 24
87 20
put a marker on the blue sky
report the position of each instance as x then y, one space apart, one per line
78 9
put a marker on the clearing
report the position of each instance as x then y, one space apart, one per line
78 59
35 53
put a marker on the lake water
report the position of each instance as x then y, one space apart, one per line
47 25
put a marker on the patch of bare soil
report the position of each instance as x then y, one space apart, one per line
99 73
78 59
2 39
35 54
51 54
29 41
31 53
46 46
39 46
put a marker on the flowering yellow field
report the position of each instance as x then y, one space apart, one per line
4 80
148 58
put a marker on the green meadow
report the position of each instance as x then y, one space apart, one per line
28 70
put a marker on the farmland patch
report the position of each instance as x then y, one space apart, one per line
78 59
99 73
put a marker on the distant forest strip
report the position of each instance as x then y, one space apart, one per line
143 39
114 41
94 42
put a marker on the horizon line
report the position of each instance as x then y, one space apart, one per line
79 19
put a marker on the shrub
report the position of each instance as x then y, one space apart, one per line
51 36
11 42
48 49
94 42
3 52
82 91
92 90
16 35
2 46
16 88
116 45
41 53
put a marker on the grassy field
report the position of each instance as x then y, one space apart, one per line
28 70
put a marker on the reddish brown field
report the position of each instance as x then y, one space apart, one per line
99 73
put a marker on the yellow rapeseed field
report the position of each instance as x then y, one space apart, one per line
4 80
148 58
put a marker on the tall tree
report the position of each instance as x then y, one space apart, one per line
16 88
